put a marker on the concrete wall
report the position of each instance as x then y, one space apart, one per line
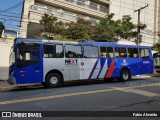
4 59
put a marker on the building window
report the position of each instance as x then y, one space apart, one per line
73 51
68 14
71 1
52 11
103 9
91 52
81 2
93 5
93 21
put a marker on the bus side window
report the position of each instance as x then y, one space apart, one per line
133 53
73 51
123 53
103 53
59 51
48 50
144 52
117 52
110 52
91 52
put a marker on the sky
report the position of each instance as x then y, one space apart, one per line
11 17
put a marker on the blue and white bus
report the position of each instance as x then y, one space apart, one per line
52 62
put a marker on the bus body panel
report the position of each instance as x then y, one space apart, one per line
81 68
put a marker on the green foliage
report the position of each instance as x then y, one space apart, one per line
79 31
48 22
1 27
156 47
40 36
107 30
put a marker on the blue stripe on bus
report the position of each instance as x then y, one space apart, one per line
102 62
93 69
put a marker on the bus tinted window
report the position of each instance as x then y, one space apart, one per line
133 53
144 52
59 51
103 51
53 51
91 52
73 51
48 51
110 52
106 52
120 52
28 54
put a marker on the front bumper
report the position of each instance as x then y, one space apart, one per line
11 80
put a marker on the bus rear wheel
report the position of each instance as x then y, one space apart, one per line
53 80
125 75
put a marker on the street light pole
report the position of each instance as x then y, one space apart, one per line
138 27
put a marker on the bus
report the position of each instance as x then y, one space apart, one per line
9 34
156 58
52 62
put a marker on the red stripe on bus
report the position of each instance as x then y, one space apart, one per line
111 69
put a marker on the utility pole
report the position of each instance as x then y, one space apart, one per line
138 27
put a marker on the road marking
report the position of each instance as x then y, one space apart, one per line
140 92
71 94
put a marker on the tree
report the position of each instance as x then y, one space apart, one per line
105 30
1 27
80 30
48 22
156 47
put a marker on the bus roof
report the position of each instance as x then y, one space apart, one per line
31 40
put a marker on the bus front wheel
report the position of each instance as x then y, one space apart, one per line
125 75
53 80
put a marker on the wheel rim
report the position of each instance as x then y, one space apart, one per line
54 80
125 76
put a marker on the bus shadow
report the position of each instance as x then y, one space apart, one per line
73 83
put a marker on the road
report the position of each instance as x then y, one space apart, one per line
141 94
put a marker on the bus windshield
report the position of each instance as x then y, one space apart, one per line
27 54
12 57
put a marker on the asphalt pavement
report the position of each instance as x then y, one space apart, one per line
139 94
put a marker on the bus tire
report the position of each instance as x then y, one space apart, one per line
125 75
53 80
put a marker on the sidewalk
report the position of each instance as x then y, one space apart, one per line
4 84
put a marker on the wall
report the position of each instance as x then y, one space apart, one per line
4 61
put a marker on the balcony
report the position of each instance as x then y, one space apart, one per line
79 7
37 11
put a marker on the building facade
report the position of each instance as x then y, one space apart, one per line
92 10
64 10
149 16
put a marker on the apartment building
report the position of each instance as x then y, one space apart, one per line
93 10
149 16
64 10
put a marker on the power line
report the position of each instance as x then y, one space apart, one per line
11 8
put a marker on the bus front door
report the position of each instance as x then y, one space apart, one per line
29 64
